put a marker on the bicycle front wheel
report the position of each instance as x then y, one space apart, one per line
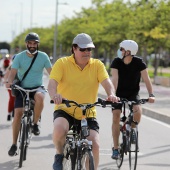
121 149
28 137
87 161
69 159
22 140
133 150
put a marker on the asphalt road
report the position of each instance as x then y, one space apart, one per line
154 142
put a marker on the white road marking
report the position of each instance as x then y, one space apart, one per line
156 121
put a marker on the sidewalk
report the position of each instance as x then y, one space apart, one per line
159 110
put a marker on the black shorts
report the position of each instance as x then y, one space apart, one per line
92 122
130 98
20 99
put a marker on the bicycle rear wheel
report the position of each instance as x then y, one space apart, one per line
121 149
69 159
133 150
22 140
87 160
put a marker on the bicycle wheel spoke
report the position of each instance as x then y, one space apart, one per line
133 150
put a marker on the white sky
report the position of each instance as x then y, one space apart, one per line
15 15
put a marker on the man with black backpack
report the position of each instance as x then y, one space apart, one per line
28 65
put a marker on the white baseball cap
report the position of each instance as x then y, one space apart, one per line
83 41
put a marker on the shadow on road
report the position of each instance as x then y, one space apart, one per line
10 165
4 126
41 138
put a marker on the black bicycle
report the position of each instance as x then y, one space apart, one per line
78 149
128 139
25 133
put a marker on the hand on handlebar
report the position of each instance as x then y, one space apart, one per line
57 99
113 98
151 99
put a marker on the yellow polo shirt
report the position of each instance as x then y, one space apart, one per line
78 85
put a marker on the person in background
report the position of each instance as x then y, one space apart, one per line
11 97
77 77
33 79
127 70
6 63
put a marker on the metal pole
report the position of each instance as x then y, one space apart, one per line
20 46
55 34
31 15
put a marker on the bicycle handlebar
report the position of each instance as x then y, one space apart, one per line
100 101
25 90
140 101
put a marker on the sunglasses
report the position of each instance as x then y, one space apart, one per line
121 49
85 49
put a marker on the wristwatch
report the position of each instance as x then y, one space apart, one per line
151 95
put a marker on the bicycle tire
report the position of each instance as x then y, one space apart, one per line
28 137
69 159
22 141
87 160
121 149
133 150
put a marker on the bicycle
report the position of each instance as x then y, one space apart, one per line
77 148
128 139
25 133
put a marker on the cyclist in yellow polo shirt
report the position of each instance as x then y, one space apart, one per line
77 78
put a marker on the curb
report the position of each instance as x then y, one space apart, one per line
155 115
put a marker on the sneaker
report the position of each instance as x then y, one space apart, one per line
35 130
12 151
115 154
58 159
8 117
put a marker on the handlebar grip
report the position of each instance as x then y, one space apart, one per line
66 102
104 103
143 101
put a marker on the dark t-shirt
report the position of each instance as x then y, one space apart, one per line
128 76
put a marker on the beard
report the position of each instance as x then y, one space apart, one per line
32 49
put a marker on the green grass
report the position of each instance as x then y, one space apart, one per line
151 74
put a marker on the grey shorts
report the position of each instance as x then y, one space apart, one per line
92 122
19 100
